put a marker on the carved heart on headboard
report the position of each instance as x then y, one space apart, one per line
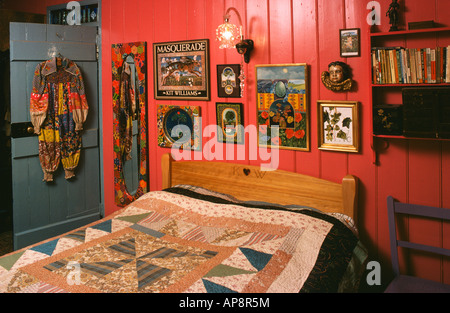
246 171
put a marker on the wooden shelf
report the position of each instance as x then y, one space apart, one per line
409 138
410 32
411 85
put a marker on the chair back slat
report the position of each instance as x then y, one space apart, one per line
395 207
422 210
428 248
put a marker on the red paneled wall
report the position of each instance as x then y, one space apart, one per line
297 31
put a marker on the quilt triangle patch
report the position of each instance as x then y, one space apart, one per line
184 227
197 287
64 244
114 282
258 259
155 225
148 273
117 225
195 234
8 262
42 287
92 233
127 247
211 233
155 217
215 288
237 283
29 256
133 218
239 260
222 270
164 252
101 269
105 226
79 235
46 248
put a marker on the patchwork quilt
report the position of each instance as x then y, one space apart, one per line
193 240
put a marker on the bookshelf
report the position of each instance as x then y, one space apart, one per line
390 79
90 11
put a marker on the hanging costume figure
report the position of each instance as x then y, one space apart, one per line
58 109
127 110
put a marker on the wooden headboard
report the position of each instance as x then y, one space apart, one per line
246 182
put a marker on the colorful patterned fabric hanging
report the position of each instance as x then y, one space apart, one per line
58 109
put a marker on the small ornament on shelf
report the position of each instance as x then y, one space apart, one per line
392 12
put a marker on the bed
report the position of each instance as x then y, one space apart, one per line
215 227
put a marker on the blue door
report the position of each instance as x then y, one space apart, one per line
45 209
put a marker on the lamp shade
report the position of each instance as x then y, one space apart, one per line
228 35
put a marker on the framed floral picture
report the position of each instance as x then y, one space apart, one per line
179 126
229 123
338 125
282 106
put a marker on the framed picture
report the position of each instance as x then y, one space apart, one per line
350 42
338 127
229 122
282 106
181 70
228 82
179 126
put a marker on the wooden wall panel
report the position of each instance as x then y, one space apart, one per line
331 18
445 178
107 115
258 30
305 49
358 163
281 52
424 179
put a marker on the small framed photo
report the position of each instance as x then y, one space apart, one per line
338 127
229 122
350 42
181 70
228 83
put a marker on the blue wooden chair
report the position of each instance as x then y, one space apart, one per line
411 284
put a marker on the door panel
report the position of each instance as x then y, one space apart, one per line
45 209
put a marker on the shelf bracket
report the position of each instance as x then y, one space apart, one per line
378 145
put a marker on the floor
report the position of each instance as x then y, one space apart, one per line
6 242
5 157
5 200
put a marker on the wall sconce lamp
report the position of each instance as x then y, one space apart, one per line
230 36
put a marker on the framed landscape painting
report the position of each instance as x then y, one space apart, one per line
282 106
